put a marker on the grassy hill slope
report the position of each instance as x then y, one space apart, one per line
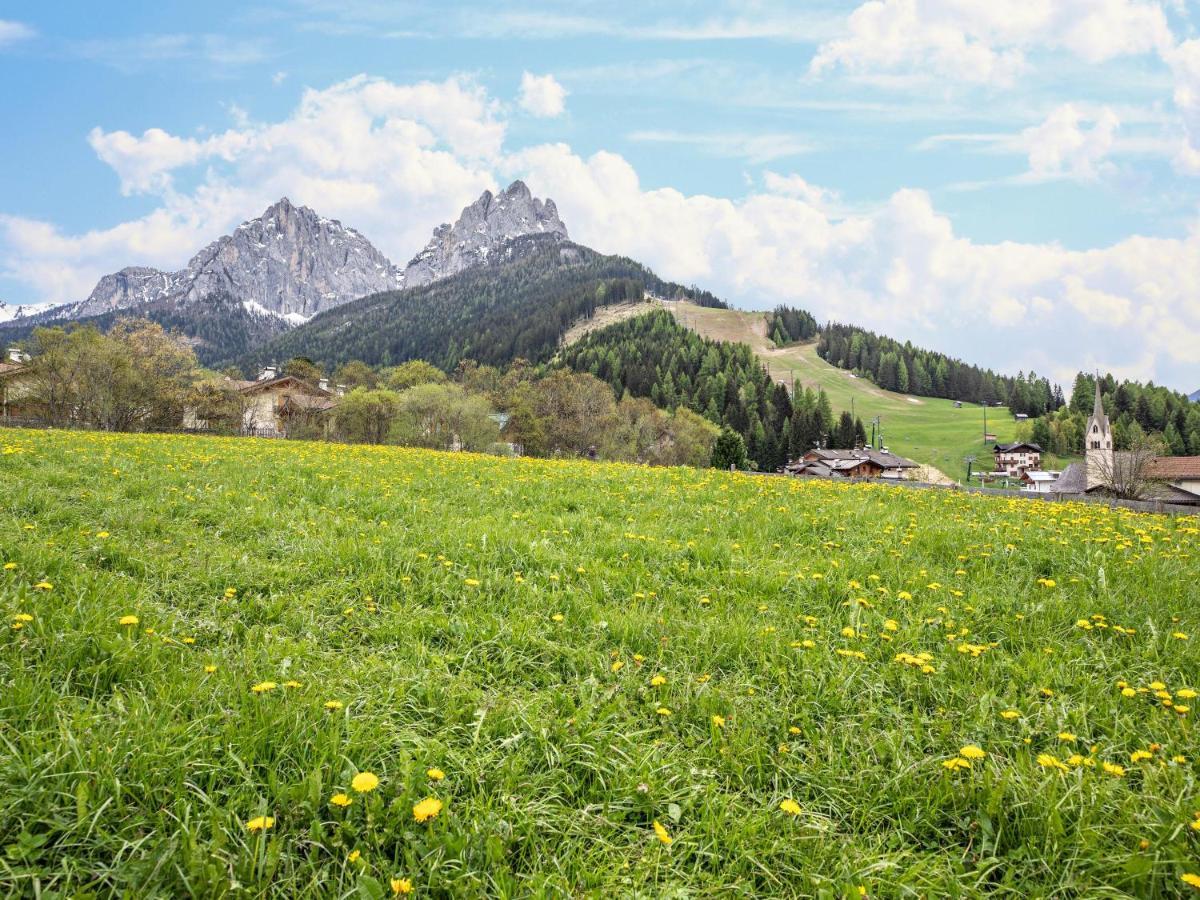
926 429
577 679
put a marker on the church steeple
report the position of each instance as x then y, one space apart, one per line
1098 444
1098 419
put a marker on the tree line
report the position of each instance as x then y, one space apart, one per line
139 377
787 325
1137 411
926 373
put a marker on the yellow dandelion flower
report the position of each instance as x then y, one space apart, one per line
1113 769
972 752
261 823
427 809
43 586
663 711
333 704
340 799
128 620
1066 737
471 582
364 782
401 886
1011 714
435 774
658 681
1191 879
791 807
557 617
209 669
263 686
718 721
617 665
661 833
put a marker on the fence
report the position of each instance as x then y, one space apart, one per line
1150 506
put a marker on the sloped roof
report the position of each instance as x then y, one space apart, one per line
1174 468
1073 480
1009 448
255 386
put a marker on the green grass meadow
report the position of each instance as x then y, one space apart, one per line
814 689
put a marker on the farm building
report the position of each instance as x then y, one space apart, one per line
275 403
858 463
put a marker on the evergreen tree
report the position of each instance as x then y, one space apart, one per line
729 450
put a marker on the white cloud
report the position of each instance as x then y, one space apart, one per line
796 186
391 160
11 32
988 41
541 95
1064 147
1184 61
901 269
754 148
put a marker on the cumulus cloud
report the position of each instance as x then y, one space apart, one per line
542 95
11 32
394 160
988 41
1063 146
900 269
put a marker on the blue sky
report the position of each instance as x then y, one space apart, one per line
1014 183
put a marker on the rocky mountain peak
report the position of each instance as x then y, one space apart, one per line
289 262
483 226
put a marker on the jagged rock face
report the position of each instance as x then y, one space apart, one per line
292 263
483 226
289 262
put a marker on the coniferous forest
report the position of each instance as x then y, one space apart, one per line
654 356
910 370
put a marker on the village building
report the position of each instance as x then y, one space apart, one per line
275 404
857 463
1171 479
1037 481
15 387
1014 460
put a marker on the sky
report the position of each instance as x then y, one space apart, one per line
1014 183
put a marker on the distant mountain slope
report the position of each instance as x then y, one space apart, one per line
20 314
519 303
1194 396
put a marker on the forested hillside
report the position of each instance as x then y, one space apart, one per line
517 306
902 367
218 327
654 356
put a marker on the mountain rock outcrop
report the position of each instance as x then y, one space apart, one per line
485 225
289 262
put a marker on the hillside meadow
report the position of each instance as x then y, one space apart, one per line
234 667
929 430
